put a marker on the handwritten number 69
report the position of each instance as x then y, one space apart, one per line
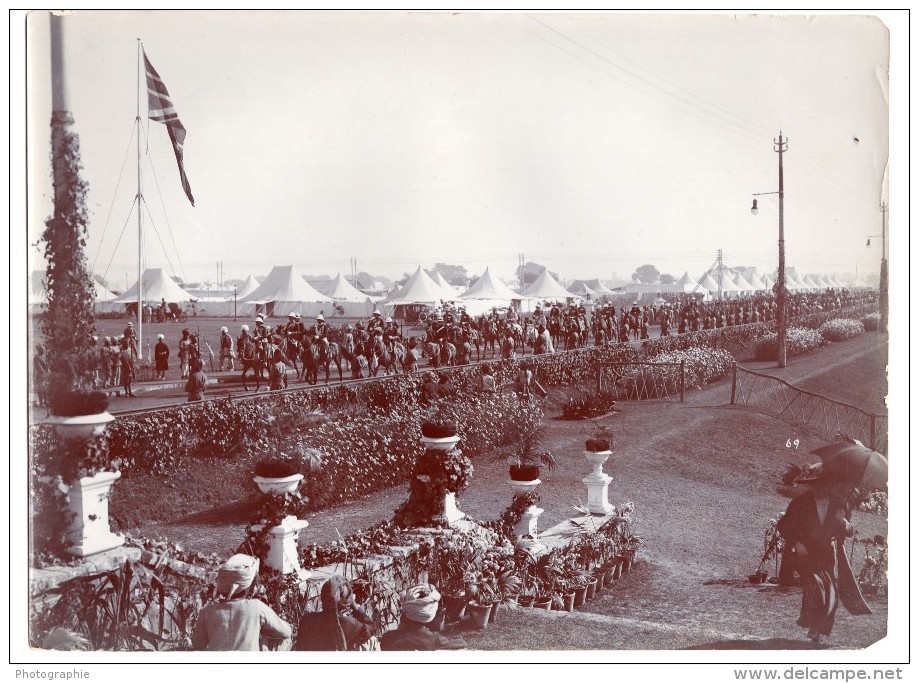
795 443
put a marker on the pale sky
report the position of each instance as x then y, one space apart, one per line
590 143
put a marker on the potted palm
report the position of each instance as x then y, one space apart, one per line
527 458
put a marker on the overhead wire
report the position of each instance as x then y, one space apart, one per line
114 195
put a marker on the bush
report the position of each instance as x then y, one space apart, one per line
797 341
841 329
589 405
872 322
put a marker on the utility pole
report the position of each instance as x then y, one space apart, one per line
781 294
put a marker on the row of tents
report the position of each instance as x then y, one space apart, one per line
286 291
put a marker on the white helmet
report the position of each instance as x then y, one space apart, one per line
245 328
291 315
223 329
319 317
388 319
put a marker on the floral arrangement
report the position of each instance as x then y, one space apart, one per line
529 453
841 329
438 427
798 340
77 403
601 440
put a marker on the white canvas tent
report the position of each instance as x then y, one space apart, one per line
157 287
247 287
580 288
687 279
598 286
349 299
450 292
486 293
546 287
38 294
745 285
489 287
418 289
285 291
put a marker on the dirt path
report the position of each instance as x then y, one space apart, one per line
703 476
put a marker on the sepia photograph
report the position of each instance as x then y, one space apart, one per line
429 337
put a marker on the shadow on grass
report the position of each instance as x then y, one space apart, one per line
239 512
765 644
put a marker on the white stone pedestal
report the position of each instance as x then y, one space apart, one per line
283 553
597 483
89 532
526 530
452 514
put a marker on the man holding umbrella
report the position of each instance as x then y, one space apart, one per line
815 527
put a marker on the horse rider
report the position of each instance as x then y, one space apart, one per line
226 349
294 330
493 316
439 329
390 333
465 320
448 316
243 337
261 331
347 340
510 316
539 318
555 312
376 321
320 332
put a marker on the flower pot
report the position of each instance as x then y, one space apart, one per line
592 584
543 602
454 607
619 568
478 615
609 573
524 472
568 601
580 596
278 486
596 459
493 614
526 600
446 443
81 426
600 576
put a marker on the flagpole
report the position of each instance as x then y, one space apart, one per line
140 219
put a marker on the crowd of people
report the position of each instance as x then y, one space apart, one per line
508 334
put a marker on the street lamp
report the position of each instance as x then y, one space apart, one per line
780 292
883 285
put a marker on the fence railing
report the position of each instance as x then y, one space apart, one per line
830 418
643 380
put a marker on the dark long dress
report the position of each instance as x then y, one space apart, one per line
161 353
818 565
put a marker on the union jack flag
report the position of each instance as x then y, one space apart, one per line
162 110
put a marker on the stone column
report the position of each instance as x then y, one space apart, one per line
597 483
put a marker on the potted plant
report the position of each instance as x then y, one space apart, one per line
600 441
528 456
439 432
79 414
277 476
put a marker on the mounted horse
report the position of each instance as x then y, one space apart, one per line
439 353
490 334
316 355
391 361
253 356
